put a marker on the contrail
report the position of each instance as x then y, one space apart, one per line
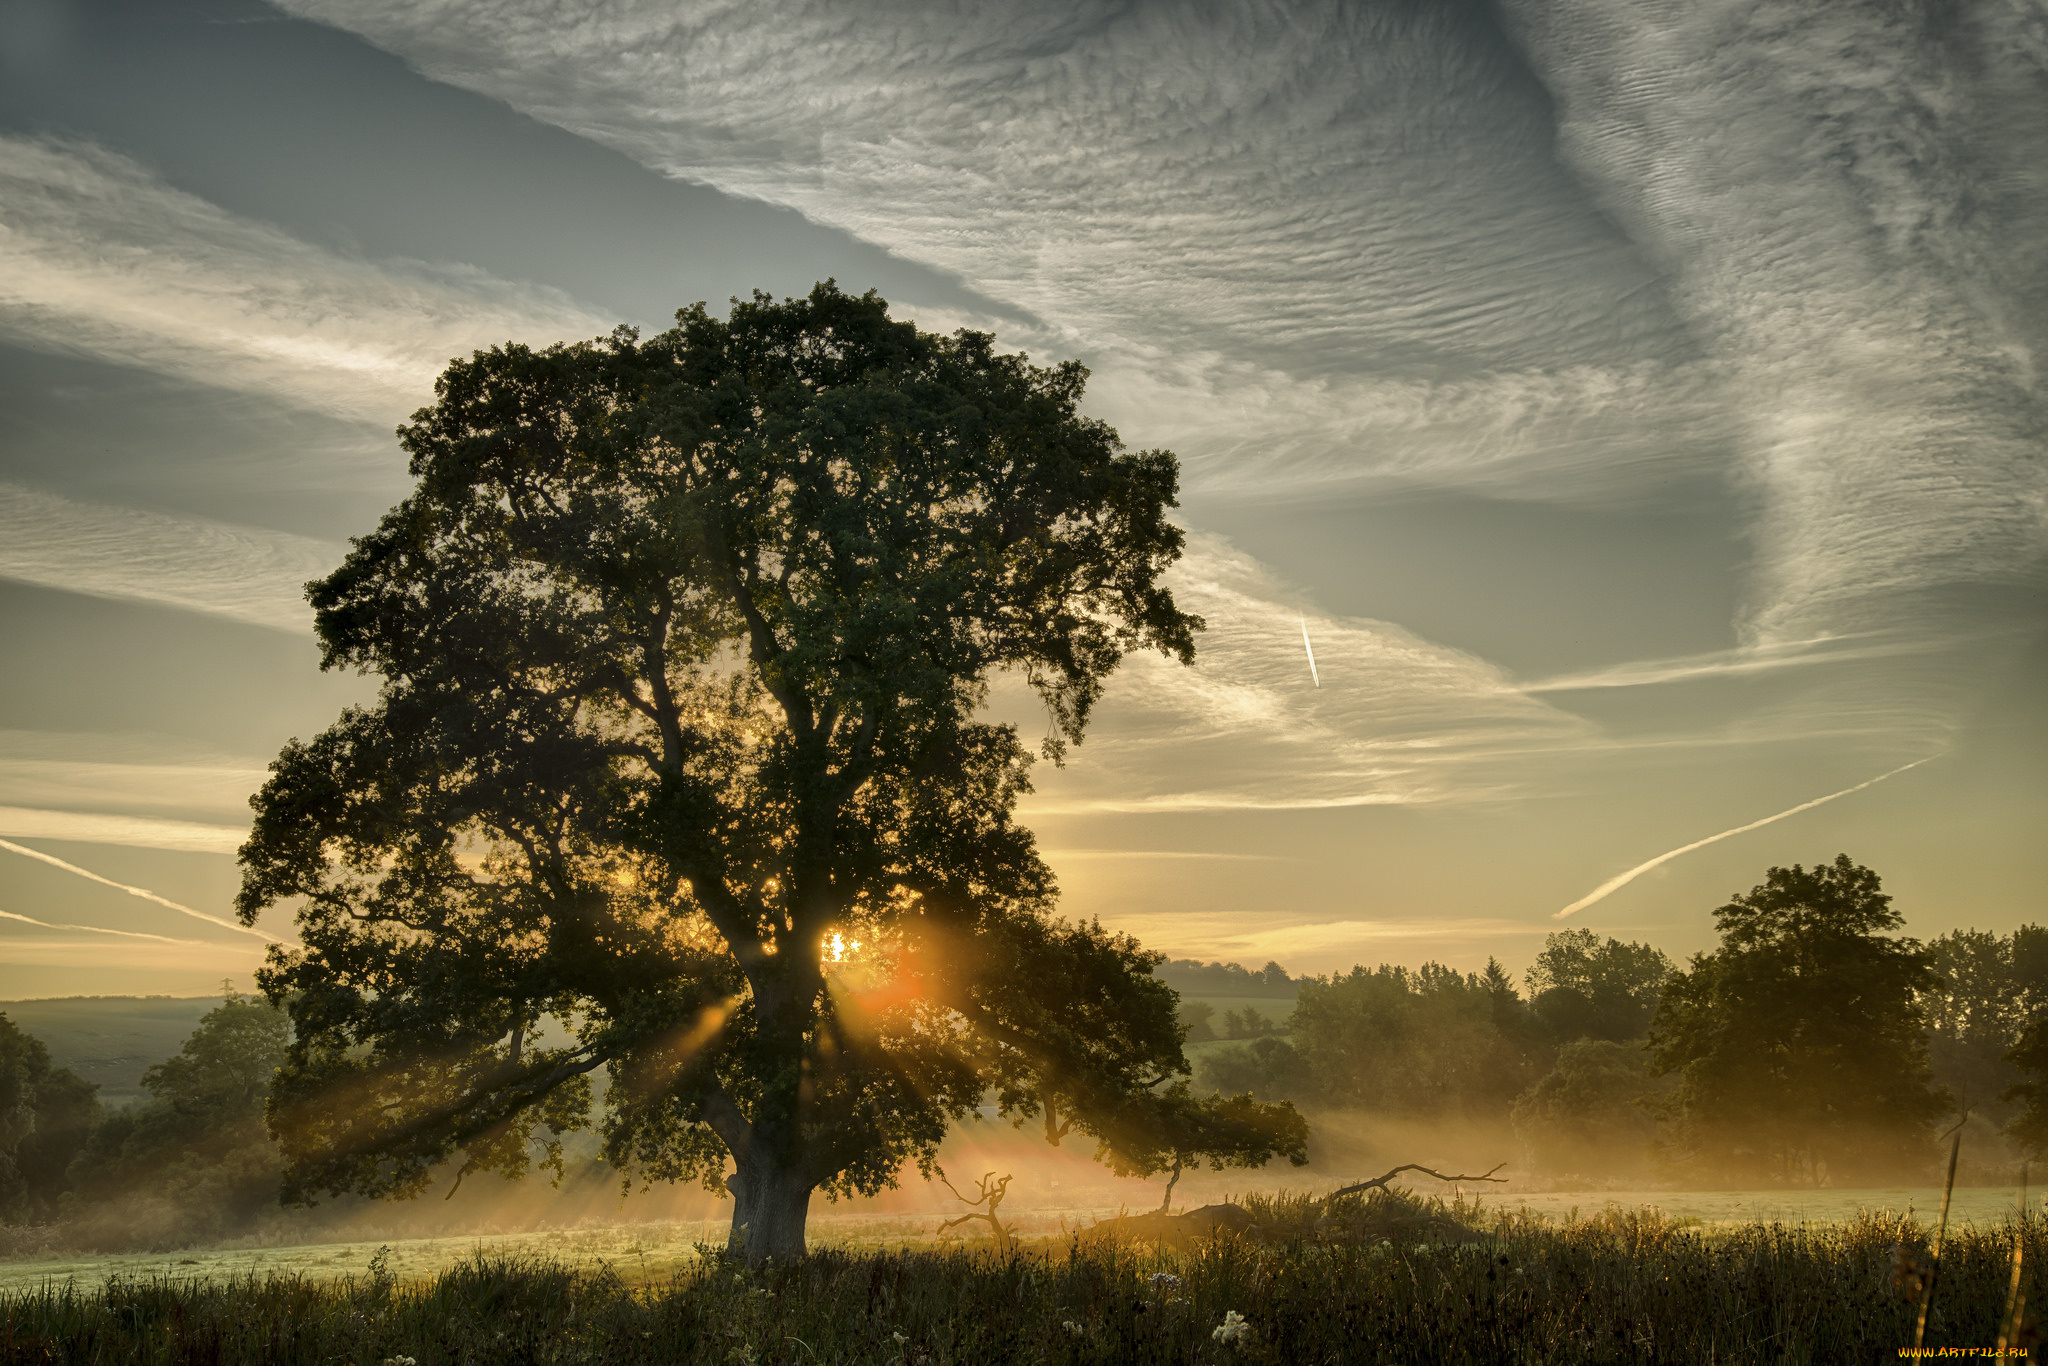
1622 880
142 892
1311 654
94 929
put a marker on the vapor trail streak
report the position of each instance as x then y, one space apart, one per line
1311 653
1622 880
142 892
94 929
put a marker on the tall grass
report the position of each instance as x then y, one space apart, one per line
1380 1280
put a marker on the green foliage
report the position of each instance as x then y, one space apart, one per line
1249 1024
1428 1042
1625 1287
1193 1018
1800 1043
1191 977
1583 988
1987 988
1585 1116
195 1162
681 644
45 1114
1267 1068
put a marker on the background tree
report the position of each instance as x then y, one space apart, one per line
682 644
1584 988
1431 1041
1585 1116
45 1115
1799 1045
195 1161
1987 988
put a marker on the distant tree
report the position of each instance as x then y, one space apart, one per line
1799 1045
195 1160
1265 1069
1430 1042
1986 988
1194 978
46 1113
1194 1017
1585 1116
682 644
1583 988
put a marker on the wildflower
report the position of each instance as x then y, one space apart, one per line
398 1361
1163 1281
1232 1328
1074 1329
901 1338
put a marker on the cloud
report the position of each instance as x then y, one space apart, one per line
1324 943
136 832
93 929
142 893
1848 203
1306 244
245 573
1620 880
98 256
1397 720
1314 243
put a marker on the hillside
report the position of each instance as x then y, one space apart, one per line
111 1040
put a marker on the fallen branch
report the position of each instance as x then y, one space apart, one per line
1379 1183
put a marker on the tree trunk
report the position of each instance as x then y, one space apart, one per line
770 1208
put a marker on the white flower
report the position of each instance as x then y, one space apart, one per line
900 1338
398 1361
1232 1328
1163 1281
1072 1327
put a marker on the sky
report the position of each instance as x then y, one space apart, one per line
1637 408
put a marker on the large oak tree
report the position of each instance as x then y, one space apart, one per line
683 645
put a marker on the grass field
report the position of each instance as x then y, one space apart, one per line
1376 1281
1362 1281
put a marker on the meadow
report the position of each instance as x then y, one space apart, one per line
1379 1279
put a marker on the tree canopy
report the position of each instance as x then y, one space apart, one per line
683 643
45 1114
1799 1045
1583 987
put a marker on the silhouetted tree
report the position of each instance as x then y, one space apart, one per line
1799 1044
1429 1041
195 1160
45 1115
1987 987
1194 1018
1582 987
682 642
1585 1115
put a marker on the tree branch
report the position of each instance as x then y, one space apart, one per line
1380 1182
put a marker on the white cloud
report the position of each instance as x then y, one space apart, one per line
1302 244
101 257
245 573
1318 242
137 832
1397 720
1852 212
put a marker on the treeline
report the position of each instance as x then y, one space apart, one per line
190 1164
1813 1045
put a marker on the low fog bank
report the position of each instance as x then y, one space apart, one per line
1816 1050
